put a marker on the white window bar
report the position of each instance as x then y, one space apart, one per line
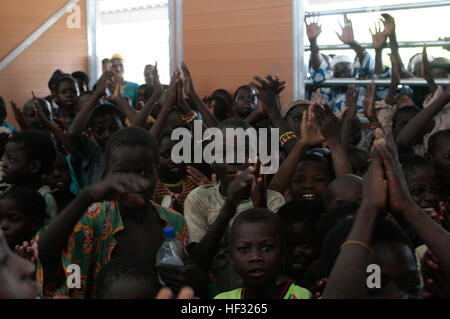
405 6
410 44
380 82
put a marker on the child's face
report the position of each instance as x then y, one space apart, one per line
256 253
300 251
310 180
441 158
103 127
399 275
294 118
136 160
16 226
423 188
129 288
59 177
30 114
245 102
16 274
15 165
170 170
66 96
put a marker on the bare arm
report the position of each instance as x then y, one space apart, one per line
313 30
348 38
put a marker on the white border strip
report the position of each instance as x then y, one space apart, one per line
179 14
91 29
171 8
35 35
298 48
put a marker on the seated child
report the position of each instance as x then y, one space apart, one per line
112 219
126 279
22 214
28 156
299 219
16 274
258 250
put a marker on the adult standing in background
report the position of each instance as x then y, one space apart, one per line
128 89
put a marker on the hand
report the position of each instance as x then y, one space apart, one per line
268 91
42 118
309 132
328 123
346 31
378 37
435 285
318 288
313 29
398 195
117 187
115 95
197 177
236 191
177 277
102 83
389 24
169 97
157 87
258 193
187 81
185 293
28 251
351 98
369 103
18 115
317 97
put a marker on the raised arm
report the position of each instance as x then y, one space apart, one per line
204 251
378 42
81 119
426 73
348 38
208 117
313 30
115 187
395 81
120 102
416 127
351 101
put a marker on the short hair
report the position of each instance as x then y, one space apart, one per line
81 75
54 78
246 86
148 91
106 109
432 141
126 269
260 215
409 161
132 137
223 92
402 110
384 231
64 77
37 146
106 60
28 201
318 157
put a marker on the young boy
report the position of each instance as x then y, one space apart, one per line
258 251
28 156
112 219
299 219
208 210
22 213
245 101
66 97
126 279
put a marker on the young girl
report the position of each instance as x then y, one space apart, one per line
258 251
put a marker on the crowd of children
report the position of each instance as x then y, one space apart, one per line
89 179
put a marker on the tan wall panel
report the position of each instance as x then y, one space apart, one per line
59 47
226 43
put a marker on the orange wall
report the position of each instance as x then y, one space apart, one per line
226 43
59 47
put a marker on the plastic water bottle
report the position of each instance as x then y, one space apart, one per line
169 252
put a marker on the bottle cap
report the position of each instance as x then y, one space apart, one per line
169 232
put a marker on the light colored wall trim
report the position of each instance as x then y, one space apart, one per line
35 35
298 13
171 9
91 29
179 14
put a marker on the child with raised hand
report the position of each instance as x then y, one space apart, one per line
28 156
22 214
348 275
258 251
112 219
